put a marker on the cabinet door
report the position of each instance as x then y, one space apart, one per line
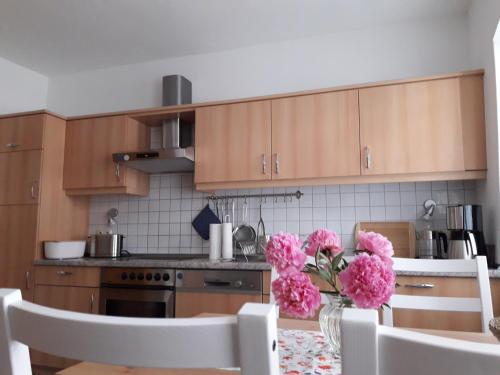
90 144
233 142
316 136
441 287
17 247
19 177
78 299
411 128
21 133
189 304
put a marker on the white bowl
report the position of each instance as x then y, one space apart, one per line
64 249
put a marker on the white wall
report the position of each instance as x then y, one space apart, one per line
394 51
483 20
21 89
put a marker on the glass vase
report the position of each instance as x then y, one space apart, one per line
329 321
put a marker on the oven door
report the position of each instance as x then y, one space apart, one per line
137 302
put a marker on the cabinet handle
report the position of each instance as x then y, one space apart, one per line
420 286
64 273
27 279
12 145
34 189
368 158
264 164
117 170
92 302
276 163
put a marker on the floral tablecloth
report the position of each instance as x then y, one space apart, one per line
306 353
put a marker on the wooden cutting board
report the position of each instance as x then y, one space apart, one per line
400 233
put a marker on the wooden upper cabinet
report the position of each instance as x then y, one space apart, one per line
473 122
21 133
412 128
316 136
233 142
88 164
19 177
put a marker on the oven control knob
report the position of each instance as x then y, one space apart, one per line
131 276
140 276
157 276
149 276
166 277
124 276
238 283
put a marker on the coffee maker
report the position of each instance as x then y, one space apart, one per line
466 238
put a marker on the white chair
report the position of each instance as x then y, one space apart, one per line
248 341
477 266
370 349
274 276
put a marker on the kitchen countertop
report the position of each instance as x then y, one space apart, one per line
200 262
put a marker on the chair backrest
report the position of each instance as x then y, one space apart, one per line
274 276
248 340
477 267
370 349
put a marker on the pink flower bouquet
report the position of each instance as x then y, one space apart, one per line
367 281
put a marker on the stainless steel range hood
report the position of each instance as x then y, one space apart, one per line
177 152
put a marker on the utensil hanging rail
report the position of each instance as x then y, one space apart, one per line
298 194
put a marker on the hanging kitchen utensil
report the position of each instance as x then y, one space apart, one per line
244 233
201 223
261 240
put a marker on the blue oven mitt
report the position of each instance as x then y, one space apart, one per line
202 221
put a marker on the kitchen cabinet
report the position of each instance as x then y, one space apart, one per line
448 287
233 142
18 235
316 136
20 177
420 127
33 205
21 133
67 288
88 164
189 304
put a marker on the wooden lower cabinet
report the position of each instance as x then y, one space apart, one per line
189 304
443 286
72 298
17 247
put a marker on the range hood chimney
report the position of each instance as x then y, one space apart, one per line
177 152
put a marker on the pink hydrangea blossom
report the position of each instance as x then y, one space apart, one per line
283 252
368 281
296 295
325 240
376 244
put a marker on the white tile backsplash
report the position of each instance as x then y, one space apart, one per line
161 222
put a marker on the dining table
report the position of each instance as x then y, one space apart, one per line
300 344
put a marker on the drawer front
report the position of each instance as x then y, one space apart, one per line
21 133
68 276
438 286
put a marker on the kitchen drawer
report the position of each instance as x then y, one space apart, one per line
68 276
21 133
437 286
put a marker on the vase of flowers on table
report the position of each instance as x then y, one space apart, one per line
365 280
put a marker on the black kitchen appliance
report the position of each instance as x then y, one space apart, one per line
466 237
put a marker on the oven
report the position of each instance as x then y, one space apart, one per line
137 292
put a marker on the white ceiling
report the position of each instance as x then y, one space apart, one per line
57 37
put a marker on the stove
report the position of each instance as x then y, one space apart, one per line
137 292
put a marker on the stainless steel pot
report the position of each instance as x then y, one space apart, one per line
104 245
